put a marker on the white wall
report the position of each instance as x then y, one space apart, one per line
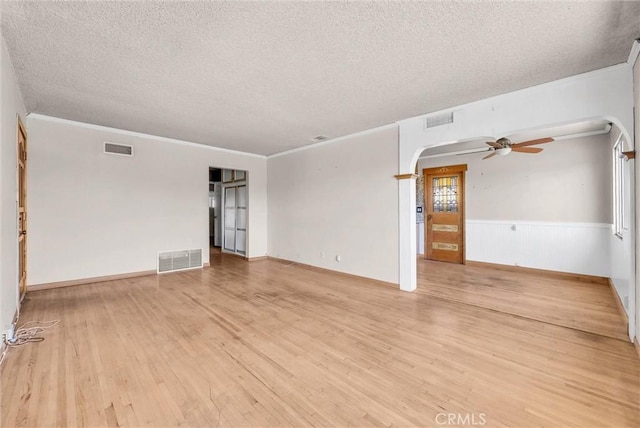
521 206
570 181
338 198
93 214
12 105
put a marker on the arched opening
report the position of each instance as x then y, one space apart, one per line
603 95
550 215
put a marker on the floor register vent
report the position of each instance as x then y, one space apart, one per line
171 261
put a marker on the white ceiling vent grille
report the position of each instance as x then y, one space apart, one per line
438 120
171 261
118 149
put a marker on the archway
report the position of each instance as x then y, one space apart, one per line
605 94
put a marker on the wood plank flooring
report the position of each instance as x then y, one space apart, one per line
272 344
569 303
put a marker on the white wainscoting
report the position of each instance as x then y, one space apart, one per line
582 248
564 247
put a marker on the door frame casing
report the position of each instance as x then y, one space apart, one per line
440 170
22 219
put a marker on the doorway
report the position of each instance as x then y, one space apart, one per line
228 210
22 209
444 216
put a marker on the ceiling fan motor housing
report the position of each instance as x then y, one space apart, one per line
504 142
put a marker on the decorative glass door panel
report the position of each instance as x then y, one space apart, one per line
445 194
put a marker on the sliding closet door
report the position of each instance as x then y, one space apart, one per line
235 198
230 219
241 220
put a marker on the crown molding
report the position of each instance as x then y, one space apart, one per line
119 131
334 140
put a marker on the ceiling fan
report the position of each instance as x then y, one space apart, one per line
504 146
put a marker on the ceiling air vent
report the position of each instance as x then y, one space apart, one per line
118 149
171 261
438 120
319 138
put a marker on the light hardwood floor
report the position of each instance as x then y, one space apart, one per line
569 303
272 344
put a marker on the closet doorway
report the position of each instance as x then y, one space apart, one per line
228 210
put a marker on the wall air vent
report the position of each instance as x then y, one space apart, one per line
438 120
171 261
118 149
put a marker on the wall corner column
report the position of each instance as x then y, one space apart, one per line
407 237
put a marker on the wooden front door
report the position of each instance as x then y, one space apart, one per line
444 216
22 209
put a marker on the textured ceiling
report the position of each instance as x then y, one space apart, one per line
267 77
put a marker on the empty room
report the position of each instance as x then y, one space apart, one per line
294 214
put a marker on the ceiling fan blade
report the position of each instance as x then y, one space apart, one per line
533 142
526 149
490 155
494 145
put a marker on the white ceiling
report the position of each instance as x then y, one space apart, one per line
267 77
